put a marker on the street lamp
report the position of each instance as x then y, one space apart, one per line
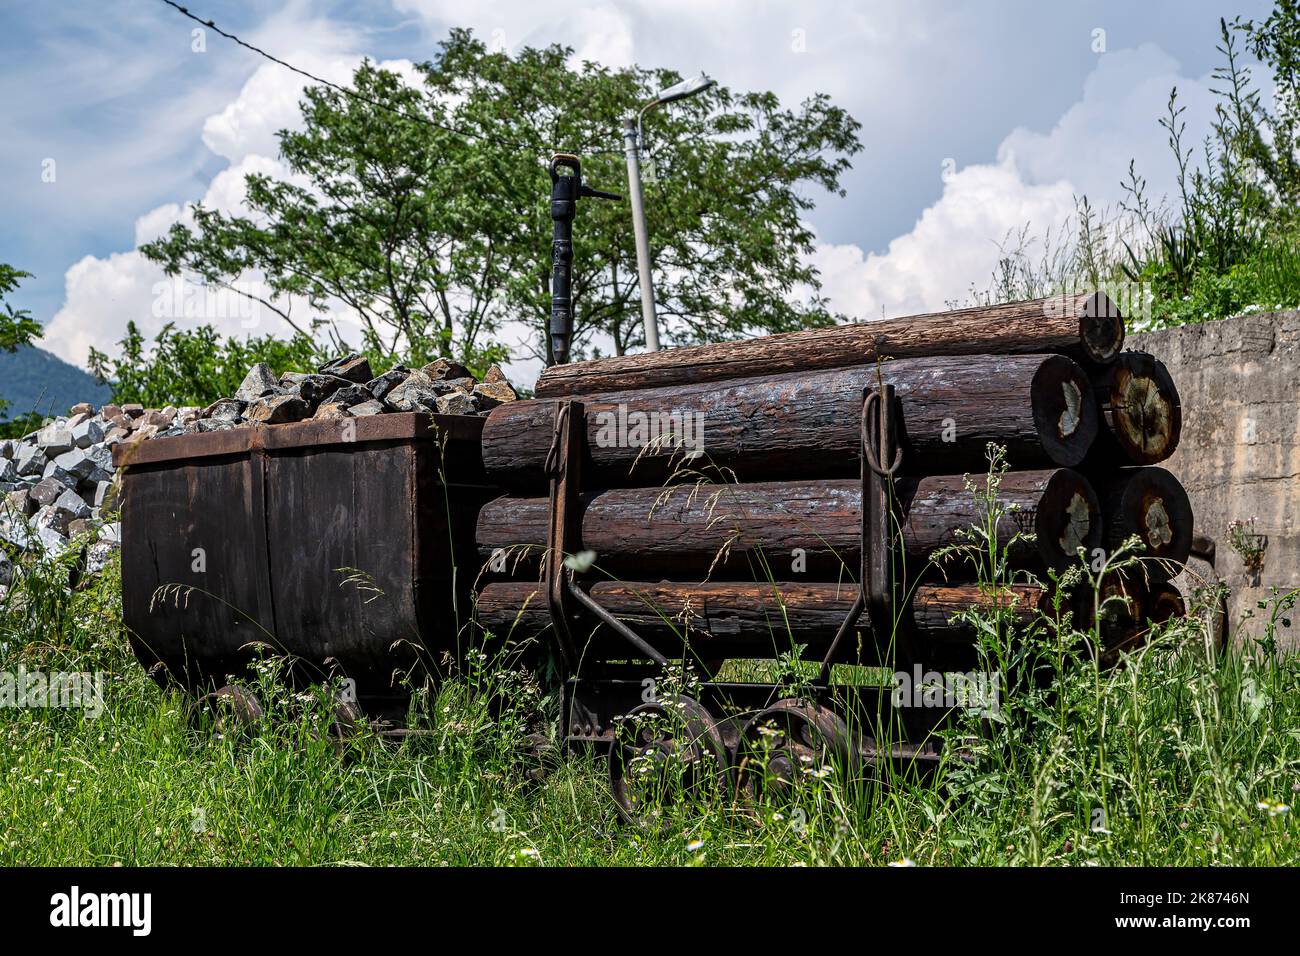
632 143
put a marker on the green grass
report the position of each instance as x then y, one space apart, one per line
1164 760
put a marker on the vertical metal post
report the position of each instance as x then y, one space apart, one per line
633 149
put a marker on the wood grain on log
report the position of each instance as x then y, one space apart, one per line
1141 415
723 620
1085 326
808 424
766 530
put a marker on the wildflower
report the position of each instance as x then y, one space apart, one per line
530 853
901 861
1273 808
694 845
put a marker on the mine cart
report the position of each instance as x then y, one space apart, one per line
341 546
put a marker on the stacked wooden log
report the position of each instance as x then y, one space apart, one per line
721 490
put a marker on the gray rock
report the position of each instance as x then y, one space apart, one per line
51 517
277 410
98 556
491 394
456 403
225 410
259 381
30 460
53 541
445 368
72 505
8 448
61 475
16 530
111 532
54 439
6 570
8 470
19 502
381 386
48 490
366 409
331 411
80 527
315 389
416 394
354 367
352 395
76 463
101 455
105 496
213 424
446 386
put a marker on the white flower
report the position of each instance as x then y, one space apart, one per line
902 861
1273 809
694 845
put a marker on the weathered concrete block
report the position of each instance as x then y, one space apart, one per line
1239 455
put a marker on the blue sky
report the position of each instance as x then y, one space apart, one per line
1013 99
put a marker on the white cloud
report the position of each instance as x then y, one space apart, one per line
954 245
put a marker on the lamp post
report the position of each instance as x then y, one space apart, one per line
632 146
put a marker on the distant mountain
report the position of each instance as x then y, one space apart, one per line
32 379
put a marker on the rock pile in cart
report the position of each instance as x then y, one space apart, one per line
347 388
57 484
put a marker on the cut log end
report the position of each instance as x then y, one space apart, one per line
1064 414
1068 518
1141 408
1101 328
1152 504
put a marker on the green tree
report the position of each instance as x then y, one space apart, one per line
193 366
17 327
437 238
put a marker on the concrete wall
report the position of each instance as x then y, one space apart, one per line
1239 380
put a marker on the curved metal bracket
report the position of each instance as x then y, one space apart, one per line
565 599
876 591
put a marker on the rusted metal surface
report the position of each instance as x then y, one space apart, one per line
348 552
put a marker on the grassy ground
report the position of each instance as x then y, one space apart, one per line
1182 756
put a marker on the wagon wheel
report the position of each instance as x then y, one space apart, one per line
786 744
235 710
665 753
